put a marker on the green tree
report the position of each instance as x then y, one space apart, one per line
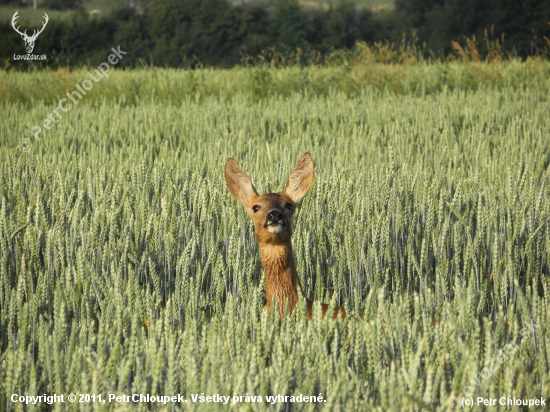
290 24
61 4
253 29
438 22
339 24
188 31
132 32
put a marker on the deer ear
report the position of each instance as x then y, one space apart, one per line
300 179
238 182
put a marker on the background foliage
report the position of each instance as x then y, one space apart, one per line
198 33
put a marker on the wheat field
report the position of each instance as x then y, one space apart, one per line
126 266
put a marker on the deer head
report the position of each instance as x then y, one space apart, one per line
29 40
272 217
272 212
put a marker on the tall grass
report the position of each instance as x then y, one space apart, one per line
127 267
385 70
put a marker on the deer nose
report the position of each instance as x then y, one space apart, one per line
274 215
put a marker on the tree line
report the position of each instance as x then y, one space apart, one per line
191 33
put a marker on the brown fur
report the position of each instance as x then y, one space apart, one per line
274 239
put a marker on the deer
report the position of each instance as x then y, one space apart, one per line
272 214
29 40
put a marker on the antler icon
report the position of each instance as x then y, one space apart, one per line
29 40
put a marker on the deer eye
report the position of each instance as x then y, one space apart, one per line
255 208
288 206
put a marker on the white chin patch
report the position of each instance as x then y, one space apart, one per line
275 228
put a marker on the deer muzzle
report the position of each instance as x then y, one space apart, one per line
274 221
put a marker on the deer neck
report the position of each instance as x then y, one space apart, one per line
281 279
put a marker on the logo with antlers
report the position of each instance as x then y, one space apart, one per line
29 40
